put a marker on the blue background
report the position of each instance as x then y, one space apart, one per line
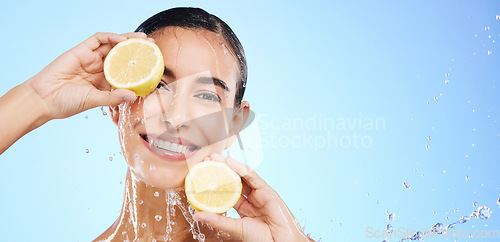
308 60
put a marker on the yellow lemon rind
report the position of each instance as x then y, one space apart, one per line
199 206
144 86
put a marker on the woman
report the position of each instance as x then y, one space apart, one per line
195 113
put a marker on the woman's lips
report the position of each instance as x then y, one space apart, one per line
169 147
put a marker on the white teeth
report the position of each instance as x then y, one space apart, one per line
171 146
175 147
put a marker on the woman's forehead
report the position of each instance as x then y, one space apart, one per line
190 51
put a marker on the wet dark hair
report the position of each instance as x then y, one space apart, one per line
196 18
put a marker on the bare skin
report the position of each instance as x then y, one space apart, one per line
73 83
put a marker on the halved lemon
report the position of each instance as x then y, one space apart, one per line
134 64
212 186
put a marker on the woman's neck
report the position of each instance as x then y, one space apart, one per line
150 214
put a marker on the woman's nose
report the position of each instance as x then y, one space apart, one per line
176 114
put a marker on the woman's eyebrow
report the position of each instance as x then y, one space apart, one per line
213 80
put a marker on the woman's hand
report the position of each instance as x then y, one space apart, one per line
75 82
264 216
72 83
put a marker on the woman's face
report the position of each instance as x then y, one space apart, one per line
190 115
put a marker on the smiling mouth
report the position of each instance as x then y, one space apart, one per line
164 147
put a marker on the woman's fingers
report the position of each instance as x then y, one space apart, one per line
98 39
246 189
109 98
247 173
229 225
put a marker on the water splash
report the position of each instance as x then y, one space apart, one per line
481 212
103 112
467 178
406 185
87 151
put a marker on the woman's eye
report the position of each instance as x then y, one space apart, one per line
209 97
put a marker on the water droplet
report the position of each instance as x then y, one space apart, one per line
406 185
86 117
447 74
87 151
498 17
110 158
426 147
157 194
158 217
142 162
389 228
103 112
489 52
433 212
463 219
498 202
446 81
487 28
474 129
450 226
435 98
417 236
444 171
124 233
474 204
143 225
141 202
440 94
482 212
467 178
447 218
473 110
438 228
391 216
473 145
429 138
368 194
152 167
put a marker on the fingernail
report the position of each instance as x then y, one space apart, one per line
128 98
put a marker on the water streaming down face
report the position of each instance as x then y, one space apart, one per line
188 117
